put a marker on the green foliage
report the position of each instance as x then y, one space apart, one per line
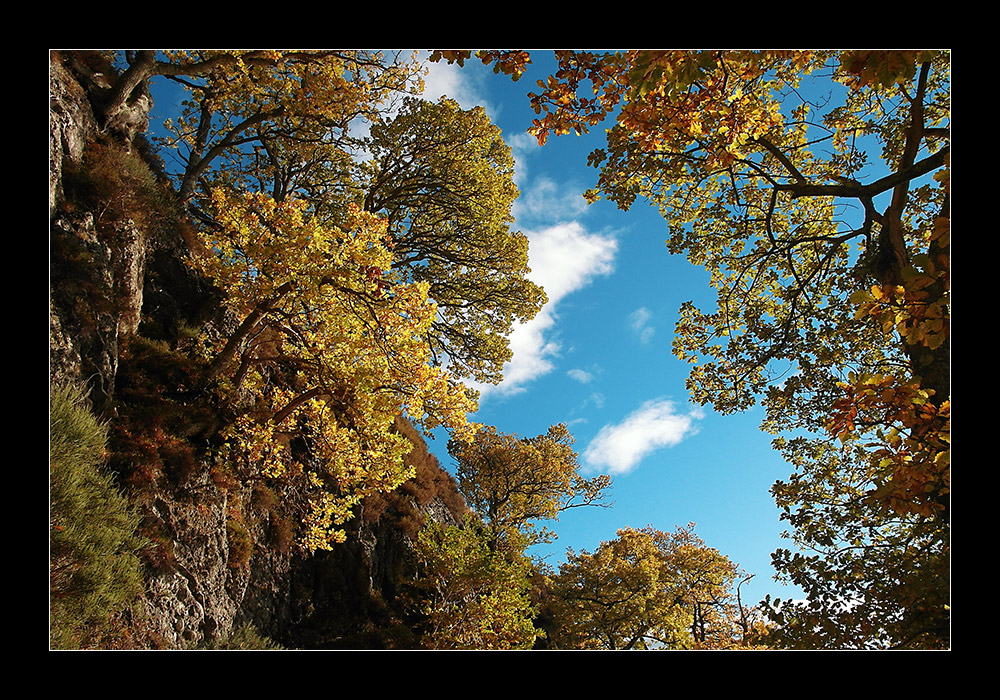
814 188
443 178
94 568
513 482
245 637
646 589
476 595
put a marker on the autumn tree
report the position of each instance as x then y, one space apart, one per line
513 482
814 186
363 246
645 589
873 578
474 595
443 179
334 128
322 304
286 123
246 106
478 583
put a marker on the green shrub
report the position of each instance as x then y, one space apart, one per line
94 569
245 637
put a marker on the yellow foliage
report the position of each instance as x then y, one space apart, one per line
645 589
477 596
757 182
513 481
324 302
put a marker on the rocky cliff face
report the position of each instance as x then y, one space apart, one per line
123 309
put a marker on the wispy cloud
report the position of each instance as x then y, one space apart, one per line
546 200
444 79
523 146
563 259
639 321
580 375
618 448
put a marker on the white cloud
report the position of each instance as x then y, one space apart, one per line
522 145
639 320
532 354
460 84
580 375
547 200
656 424
442 79
563 259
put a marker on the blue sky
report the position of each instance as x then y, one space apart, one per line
598 356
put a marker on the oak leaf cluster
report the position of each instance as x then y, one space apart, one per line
814 186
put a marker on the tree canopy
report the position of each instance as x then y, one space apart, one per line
322 303
479 584
645 589
266 119
814 187
286 123
513 482
476 595
442 178
361 242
